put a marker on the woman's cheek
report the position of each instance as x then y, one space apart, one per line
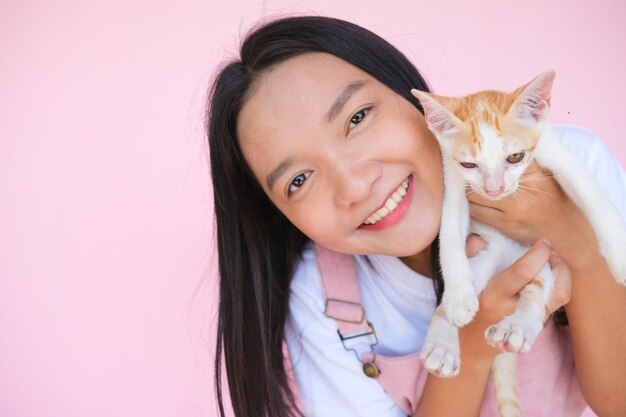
318 225
429 205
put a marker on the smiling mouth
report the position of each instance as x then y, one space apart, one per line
390 205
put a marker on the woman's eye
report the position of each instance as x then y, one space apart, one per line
357 118
515 157
298 182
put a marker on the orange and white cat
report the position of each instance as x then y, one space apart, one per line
487 140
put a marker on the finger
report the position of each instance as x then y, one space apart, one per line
511 281
474 244
474 197
479 211
562 292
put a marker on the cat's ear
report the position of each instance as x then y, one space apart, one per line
440 120
533 102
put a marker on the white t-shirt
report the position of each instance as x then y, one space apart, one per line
399 302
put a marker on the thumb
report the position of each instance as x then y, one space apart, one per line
474 244
511 281
562 292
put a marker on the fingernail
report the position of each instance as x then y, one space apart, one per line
554 259
547 242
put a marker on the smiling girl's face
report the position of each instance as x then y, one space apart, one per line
348 161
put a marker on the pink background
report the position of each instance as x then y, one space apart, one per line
107 272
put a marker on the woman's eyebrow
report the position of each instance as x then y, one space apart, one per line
343 98
335 109
277 172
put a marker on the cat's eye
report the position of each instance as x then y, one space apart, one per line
515 157
468 165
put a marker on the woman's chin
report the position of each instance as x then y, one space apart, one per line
409 247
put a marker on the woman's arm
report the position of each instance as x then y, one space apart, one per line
597 308
597 313
462 395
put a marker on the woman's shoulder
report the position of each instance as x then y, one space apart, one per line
394 298
306 293
306 276
329 376
586 144
378 276
598 159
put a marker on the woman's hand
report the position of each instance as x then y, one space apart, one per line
500 296
497 301
598 304
539 209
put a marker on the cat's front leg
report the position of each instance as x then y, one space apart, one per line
520 329
460 300
441 351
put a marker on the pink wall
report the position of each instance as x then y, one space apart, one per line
106 256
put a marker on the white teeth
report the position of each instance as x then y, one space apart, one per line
390 205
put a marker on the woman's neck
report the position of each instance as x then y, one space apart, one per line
420 262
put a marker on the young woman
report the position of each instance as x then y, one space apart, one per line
310 133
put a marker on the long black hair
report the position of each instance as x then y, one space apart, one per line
257 245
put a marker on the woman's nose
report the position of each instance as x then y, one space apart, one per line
353 182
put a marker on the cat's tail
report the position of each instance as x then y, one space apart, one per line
504 382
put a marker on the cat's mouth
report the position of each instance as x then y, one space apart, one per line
495 195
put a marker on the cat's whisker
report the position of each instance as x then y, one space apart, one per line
530 190
538 177
520 197
527 188
526 193
539 173
516 195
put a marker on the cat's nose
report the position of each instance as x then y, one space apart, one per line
494 184
495 192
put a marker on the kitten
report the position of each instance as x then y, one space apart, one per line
487 140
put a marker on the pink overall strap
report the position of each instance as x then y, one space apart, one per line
403 378
341 288
546 377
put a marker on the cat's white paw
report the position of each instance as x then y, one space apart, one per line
441 353
441 360
460 303
518 331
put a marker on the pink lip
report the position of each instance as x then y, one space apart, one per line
396 215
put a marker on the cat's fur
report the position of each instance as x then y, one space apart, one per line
491 129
